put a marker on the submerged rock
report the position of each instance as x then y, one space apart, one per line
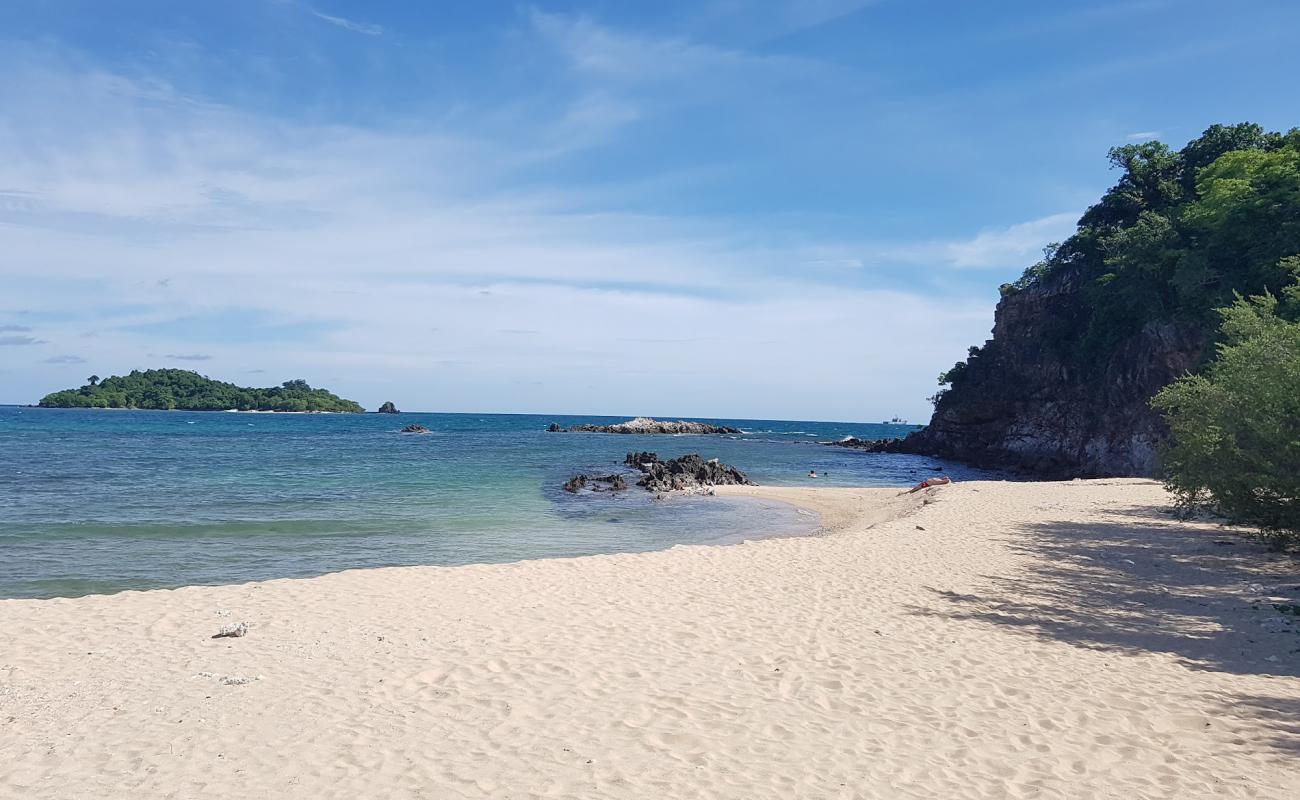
388 408
415 428
554 427
645 425
874 445
578 482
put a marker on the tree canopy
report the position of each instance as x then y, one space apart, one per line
1180 232
179 389
1177 236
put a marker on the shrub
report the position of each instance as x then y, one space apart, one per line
1235 445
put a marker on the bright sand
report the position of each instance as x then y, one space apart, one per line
1004 640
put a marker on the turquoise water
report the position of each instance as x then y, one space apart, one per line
101 501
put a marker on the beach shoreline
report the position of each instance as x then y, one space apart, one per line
981 639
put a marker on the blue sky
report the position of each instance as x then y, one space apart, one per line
730 208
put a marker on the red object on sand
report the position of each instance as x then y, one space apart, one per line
928 482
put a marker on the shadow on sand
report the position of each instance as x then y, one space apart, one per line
1141 582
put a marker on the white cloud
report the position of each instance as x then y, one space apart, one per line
614 58
1017 244
1143 136
411 262
347 24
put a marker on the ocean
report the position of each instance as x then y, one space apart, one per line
104 501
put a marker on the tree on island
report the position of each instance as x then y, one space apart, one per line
167 389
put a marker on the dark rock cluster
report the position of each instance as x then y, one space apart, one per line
415 428
612 483
873 445
388 408
689 472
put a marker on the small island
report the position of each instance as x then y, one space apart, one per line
645 425
183 390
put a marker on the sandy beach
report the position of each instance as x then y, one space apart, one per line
976 640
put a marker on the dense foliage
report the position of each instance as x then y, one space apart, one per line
189 391
1176 236
1235 446
1181 232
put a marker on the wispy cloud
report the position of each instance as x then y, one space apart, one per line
1142 136
65 360
350 25
14 329
19 341
222 223
1016 244
616 57
189 357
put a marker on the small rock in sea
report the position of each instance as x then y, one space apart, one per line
388 408
232 631
554 427
415 428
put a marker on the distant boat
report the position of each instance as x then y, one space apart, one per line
895 421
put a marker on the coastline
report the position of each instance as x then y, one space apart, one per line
1013 639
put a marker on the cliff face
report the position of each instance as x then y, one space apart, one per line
1020 404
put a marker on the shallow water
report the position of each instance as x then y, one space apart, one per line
101 501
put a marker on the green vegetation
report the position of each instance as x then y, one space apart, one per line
1235 448
1179 240
184 390
1178 235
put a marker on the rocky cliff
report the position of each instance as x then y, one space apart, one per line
1021 402
1085 338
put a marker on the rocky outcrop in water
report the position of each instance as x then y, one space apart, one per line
687 473
872 445
1020 405
388 408
415 428
645 425
597 483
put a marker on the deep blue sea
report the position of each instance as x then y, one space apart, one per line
102 501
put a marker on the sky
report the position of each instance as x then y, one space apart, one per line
726 208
